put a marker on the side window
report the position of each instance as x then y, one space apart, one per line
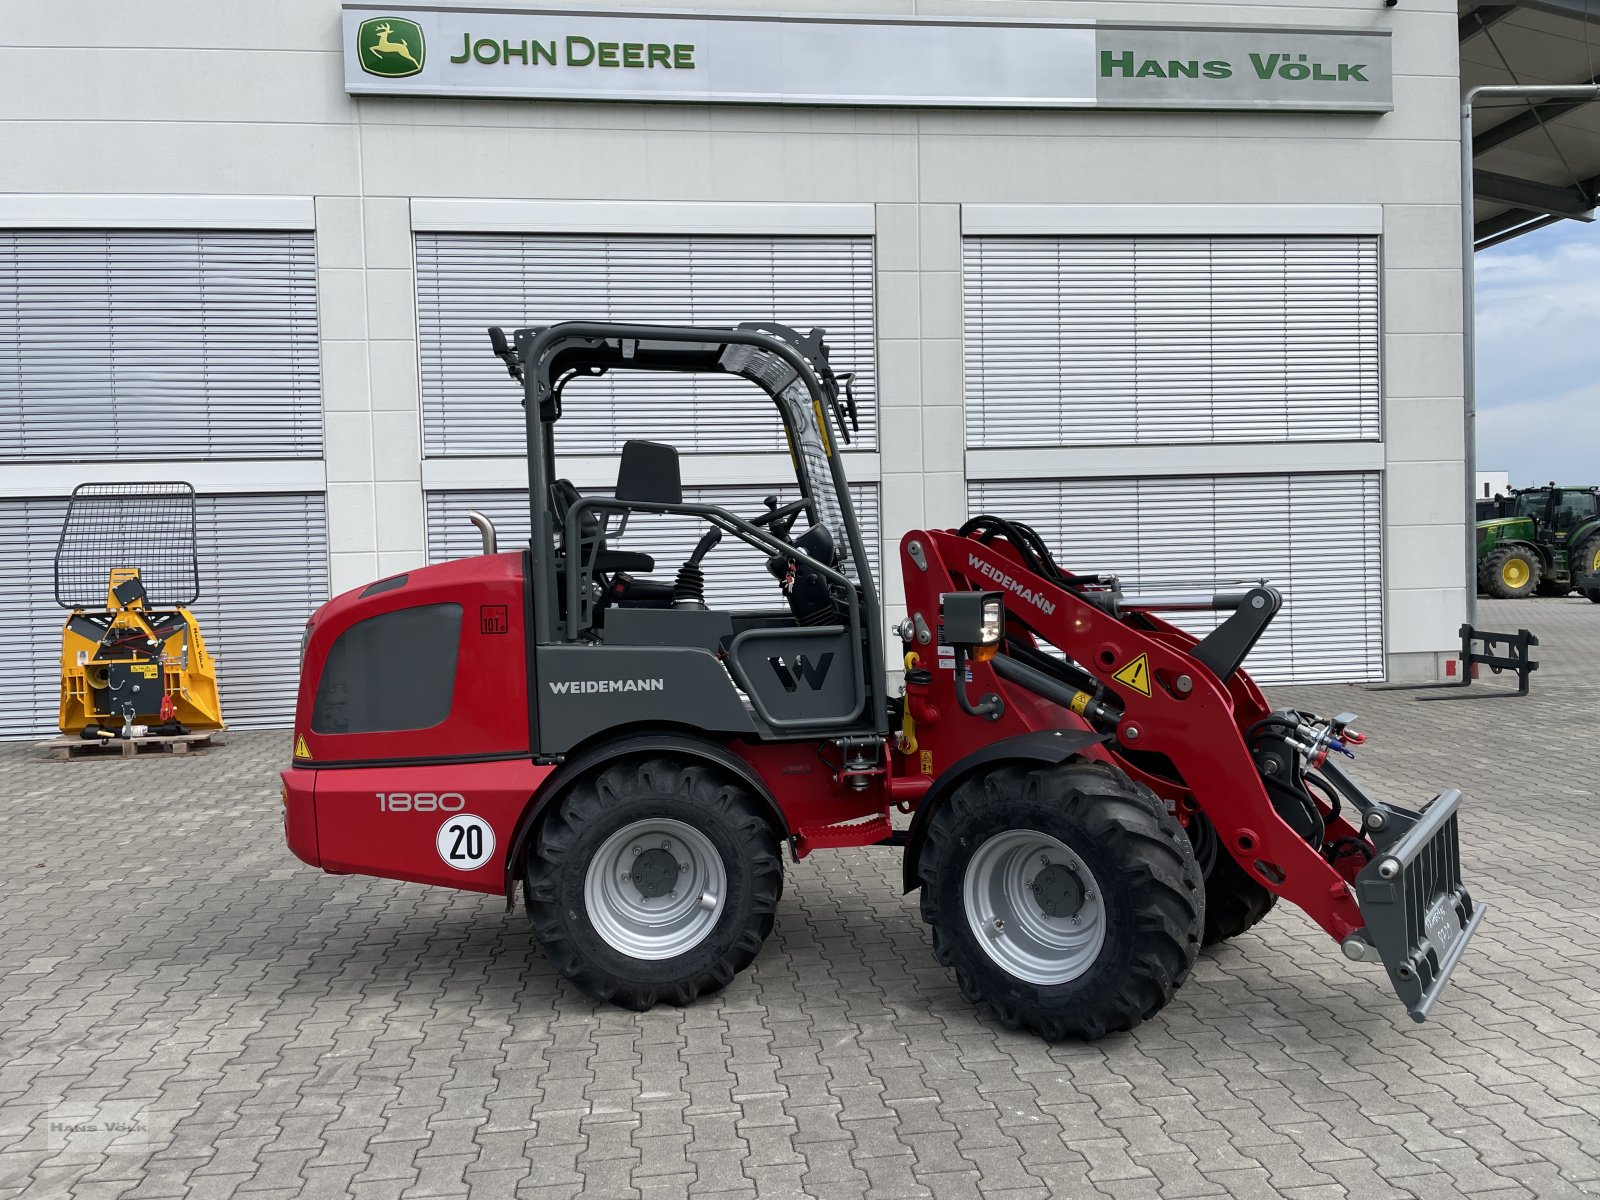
1575 507
390 672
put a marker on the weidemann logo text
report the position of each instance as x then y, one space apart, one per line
588 686
997 576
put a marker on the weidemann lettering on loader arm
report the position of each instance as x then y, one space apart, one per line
1011 585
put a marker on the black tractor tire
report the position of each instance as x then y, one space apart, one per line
1524 568
1586 564
1126 845
638 795
1235 902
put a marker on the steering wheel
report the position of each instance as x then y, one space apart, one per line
780 519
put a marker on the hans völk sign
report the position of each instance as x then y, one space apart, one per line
910 62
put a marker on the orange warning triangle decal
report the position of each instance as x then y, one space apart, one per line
1136 675
300 748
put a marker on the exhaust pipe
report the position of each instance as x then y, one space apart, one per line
485 529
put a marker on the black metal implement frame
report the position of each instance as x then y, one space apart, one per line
150 526
1419 913
1518 658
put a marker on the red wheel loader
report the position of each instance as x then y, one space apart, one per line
1094 793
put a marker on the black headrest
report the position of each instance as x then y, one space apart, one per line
648 474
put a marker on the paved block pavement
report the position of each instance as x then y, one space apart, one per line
185 1010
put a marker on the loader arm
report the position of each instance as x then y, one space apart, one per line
1198 731
1181 717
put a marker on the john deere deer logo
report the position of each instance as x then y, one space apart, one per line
390 47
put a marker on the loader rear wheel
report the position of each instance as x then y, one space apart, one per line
1510 573
1064 897
653 880
1593 594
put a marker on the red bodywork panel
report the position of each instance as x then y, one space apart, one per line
373 803
387 820
489 708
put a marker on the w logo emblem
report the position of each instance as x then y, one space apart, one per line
800 670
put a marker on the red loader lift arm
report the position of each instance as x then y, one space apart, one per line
1179 716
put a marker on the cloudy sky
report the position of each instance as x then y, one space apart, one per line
1538 330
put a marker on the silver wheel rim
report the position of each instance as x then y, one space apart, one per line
1011 882
644 908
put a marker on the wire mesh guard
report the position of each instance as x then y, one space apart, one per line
150 526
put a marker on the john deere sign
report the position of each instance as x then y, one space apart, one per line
566 54
390 48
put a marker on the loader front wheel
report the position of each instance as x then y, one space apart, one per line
1064 897
1235 902
653 880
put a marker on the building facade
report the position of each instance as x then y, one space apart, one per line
1191 334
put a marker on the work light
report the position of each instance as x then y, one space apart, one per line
975 622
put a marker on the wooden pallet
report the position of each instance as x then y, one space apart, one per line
69 747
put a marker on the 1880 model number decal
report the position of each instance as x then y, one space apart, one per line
422 802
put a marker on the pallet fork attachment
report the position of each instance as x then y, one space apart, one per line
1419 914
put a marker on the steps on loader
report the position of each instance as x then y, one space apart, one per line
868 832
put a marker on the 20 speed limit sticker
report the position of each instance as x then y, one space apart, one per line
465 842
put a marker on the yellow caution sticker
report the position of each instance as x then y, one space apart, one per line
927 762
822 427
1080 701
1136 675
301 750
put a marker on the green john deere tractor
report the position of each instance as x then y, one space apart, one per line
1547 540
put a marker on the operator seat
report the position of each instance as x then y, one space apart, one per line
591 528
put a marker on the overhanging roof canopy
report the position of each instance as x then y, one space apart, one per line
1534 161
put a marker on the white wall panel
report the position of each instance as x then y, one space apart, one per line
467 282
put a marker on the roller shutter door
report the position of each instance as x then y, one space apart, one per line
30 651
1098 340
1314 537
736 573
467 282
142 344
263 568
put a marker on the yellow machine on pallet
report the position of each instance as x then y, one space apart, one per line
133 662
